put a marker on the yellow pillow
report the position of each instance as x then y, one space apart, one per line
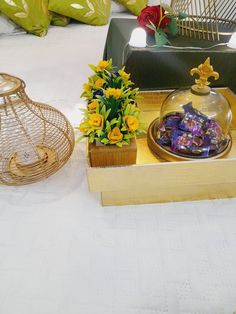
93 12
32 15
59 20
134 6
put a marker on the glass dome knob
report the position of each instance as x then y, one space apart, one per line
205 71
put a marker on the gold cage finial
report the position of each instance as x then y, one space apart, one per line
205 71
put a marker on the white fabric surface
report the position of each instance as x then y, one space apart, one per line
8 27
61 252
117 7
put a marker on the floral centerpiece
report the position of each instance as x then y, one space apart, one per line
112 115
160 21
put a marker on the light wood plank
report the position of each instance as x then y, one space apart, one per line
147 195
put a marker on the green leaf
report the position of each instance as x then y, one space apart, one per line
91 138
182 15
128 136
161 38
119 144
105 141
173 27
107 113
108 126
103 110
119 122
126 142
93 67
99 133
80 138
113 121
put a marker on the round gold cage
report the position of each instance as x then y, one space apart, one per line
35 139
206 19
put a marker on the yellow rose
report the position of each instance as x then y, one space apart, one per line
102 65
131 123
96 121
93 105
82 127
115 135
113 92
87 87
99 82
125 76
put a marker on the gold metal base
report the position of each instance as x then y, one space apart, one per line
168 156
47 159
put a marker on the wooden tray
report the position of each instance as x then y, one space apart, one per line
153 180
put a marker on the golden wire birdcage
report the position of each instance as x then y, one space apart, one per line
35 139
206 19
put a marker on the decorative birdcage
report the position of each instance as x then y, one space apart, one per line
35 139
207 19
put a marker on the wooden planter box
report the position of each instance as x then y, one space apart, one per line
112 155
152 180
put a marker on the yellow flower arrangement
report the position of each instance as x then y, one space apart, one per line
131 122
115 135
86 87
103 65
92 106
113 92
96 121
99 82
125 76
112 116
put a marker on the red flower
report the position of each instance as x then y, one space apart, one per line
153 14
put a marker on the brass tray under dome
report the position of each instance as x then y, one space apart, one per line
169 156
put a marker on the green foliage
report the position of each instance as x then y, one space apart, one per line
161 38
173 27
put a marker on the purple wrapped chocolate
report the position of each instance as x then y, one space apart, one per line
191 134
172 121
192 121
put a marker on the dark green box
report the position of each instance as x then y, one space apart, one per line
166 68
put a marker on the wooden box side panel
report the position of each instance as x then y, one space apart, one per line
102 156
146 195
166 174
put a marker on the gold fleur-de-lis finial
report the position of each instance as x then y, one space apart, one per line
205 71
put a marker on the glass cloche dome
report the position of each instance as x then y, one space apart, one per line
194 123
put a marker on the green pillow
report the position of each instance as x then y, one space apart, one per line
59 20
93 12
134 6
32 15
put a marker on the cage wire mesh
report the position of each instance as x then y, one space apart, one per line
35 139
207 19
